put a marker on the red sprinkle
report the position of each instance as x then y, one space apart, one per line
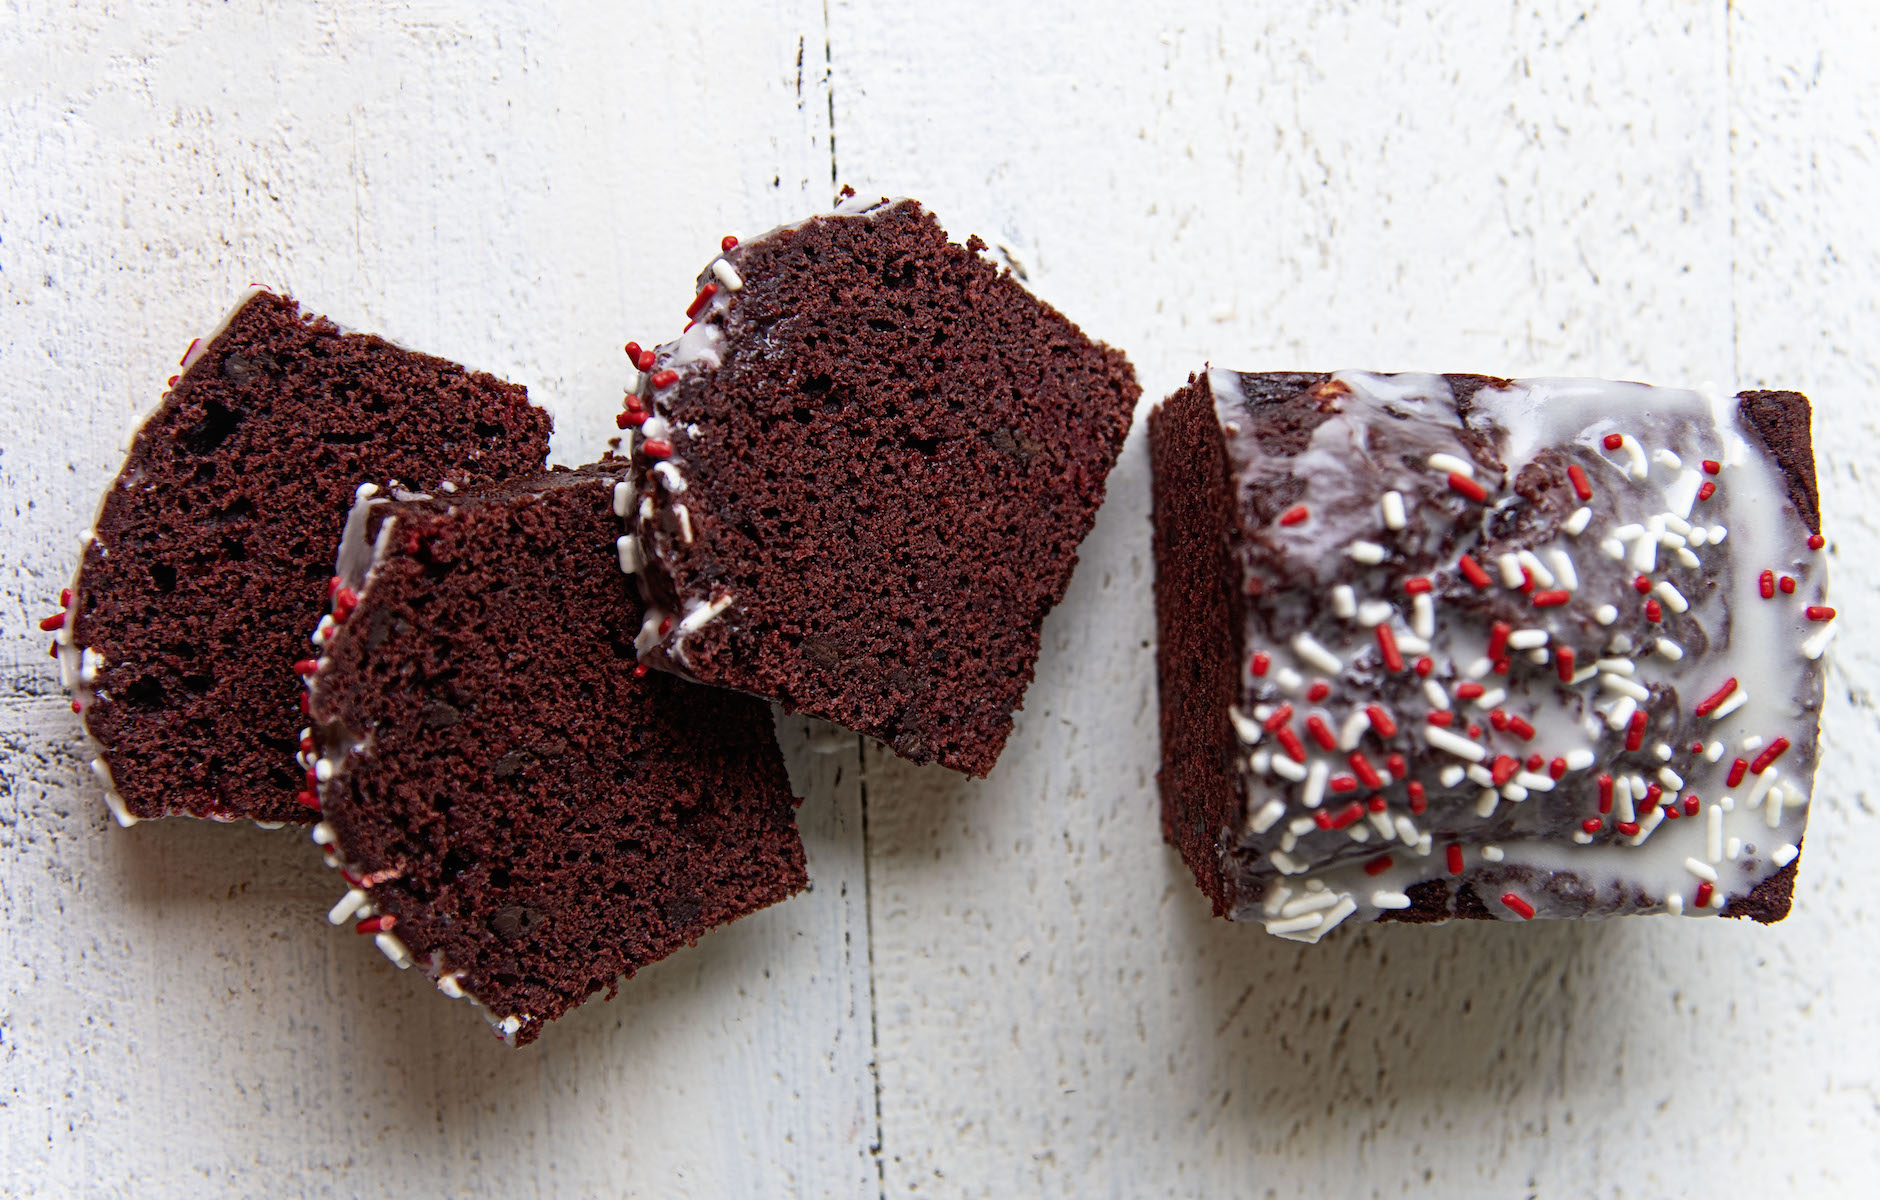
665 626
1378 865
1787 584
1592 825
1816 612
1416 585
1706 490
65 597
699 301
1469 690
1614 440
375 924
1289 741
1557 769
1365 770
1454 856
1376 803
1475 731
1654 612
1380 720
333 585
1321 732
665 378
1581 487
729 243
1387 643
1397 765
1693 805
1635 731
308 799
306 666
1498 721
55 621
1322 819
1348 816
1709 703
656 448
1771 752
1563 663
1458 482
1816 541
1766 584
645 361
1704 893
1653 794
1535 762
1642 584
1738 769
624 419
1261 661
193 343
55 648
305 706
1318 691
1552 599
1498 639
1296 515
1419 799
1472 571
1712 467
1425 665
1340 784
639 671
1520 728
1527 582
1504 768
1279 717
633 352
173 380
1671 812
1628 828
1605 793
1440 717
1521 908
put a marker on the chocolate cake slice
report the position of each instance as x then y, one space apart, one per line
520 807
862 475
1437 646
211 553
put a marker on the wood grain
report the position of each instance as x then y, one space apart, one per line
996 988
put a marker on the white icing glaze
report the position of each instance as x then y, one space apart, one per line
1401 434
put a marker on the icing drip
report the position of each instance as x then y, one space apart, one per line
1552 662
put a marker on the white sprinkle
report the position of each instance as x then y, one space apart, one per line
1490 698
1346 906
1564 568
1605 614
1352 731
1785 854
1310 902
1671 779
1576 524
1268 816
323 771
1662 751
1701 869
1651 821
1383 899
1276 898
1260 762
1636 467
1727 802
323 834
1818 642
727 275
1451 775
1582 837
1434 693
1374 612
1579 759
685 522
623 498
1666 458
1286 767
350 903
1366 552
1582 675
1621 712
1527 639
646 509
1699 536
670 474
1313 793
1645 549
509 1026
1683 492
1245 728
1410 643
1407 831
1714 752
448 985
1753 742
1533 781
1717 534
1617 666
1344 601
393 949
1492 854
1713 834
1448 463
1622 798
1308 648
1510 570
1286 864
1761 789
1481 776
1792 795
1532 561
1381 823
1478 669
1392 505
1673 598
628 547
1612 548
1423 615
700 616
1674 904
1669 649
1624 687
1485 802
1737 700
1288 679
1733 848
1514 792
1300 825
1687 559
1461 747
1538 656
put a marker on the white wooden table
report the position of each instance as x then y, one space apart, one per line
997 989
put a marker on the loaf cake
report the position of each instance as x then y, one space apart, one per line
1441 646
861 477
518 806
211 552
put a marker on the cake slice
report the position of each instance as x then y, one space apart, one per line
520 807
1438 646
210 556
862 475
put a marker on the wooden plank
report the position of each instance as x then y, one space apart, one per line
522 187
1535 188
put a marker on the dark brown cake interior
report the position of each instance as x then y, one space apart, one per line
892 471
550 819
211 556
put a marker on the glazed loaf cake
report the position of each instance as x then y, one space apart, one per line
1439 646
518 806
211 552
861 477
